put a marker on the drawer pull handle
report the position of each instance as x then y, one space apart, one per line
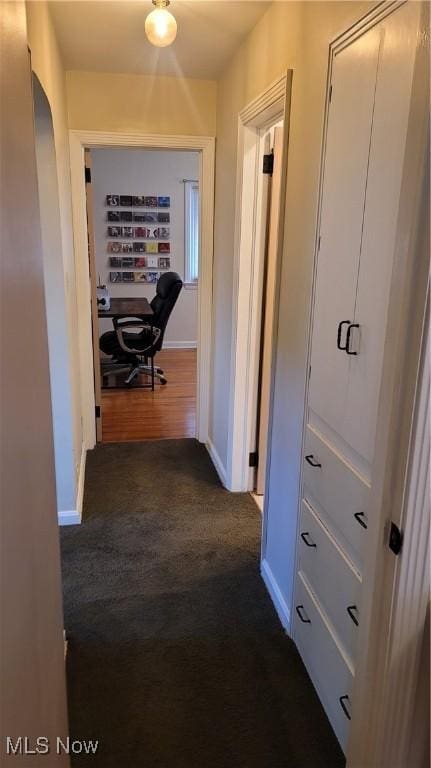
358 516
349 330
339 332
304 539
310 461
350 610
299 608
343 706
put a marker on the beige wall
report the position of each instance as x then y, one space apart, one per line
100 101
290 35
33 685
48 66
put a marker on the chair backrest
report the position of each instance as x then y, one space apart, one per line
168 289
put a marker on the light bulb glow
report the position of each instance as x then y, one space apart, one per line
161 27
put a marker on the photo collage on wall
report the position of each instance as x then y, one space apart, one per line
138 240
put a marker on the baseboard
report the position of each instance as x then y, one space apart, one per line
180 344
216 460
81 481
69 517
74 516
277 598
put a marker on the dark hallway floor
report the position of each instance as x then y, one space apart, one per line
176 657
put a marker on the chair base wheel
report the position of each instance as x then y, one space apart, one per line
163 380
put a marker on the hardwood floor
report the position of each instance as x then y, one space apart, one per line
168 412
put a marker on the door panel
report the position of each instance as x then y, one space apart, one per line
93 288
269 302
344 186
391 114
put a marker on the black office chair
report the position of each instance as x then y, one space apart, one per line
132 351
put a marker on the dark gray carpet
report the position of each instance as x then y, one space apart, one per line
176 656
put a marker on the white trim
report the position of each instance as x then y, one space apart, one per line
262 113
412 587
216 460
180 344
79 140
276 595
69 517
74 516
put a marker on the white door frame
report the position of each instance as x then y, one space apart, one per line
205 145
263 112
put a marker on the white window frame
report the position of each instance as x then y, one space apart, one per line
191 233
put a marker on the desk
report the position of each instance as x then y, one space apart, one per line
132 307
129 307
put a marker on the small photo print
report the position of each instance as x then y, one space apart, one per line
127 262
126 200
126 216
164 262
140 262
152 248
126 247
115 231
142 232
113 215
147 218
128 231
163 217
115 277
113 200
115 261
162 232
139 247
152 277
164 247
164 202
150 202
128 277
114 247
140 277
152 261
138 200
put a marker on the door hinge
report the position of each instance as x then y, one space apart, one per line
268 163
97 411
253 459
87 175
330 93
395 539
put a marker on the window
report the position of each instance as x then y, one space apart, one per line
191 229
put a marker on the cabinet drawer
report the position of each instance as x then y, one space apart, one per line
325 664
336 492
331 577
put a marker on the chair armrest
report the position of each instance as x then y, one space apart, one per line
120 326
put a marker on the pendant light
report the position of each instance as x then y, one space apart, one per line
160 25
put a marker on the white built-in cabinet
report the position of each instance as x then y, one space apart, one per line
368 111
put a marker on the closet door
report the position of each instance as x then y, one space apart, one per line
387 150
344 187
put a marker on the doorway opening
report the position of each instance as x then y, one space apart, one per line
262 170
143 224
201 204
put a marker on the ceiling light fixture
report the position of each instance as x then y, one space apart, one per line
160 25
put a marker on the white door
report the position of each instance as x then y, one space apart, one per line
390 118
344 187
268 309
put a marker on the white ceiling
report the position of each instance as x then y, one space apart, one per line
108 36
